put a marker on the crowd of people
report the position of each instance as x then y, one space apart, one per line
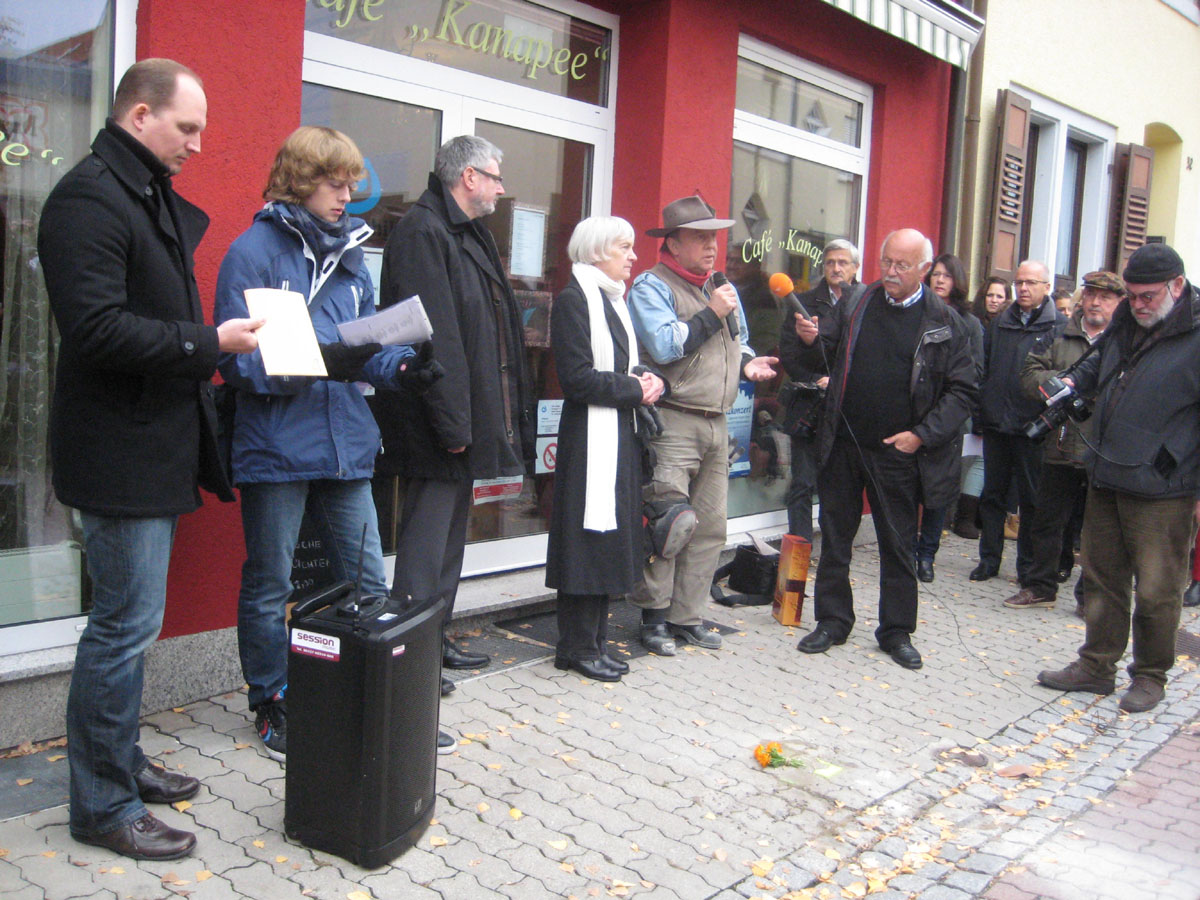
905 366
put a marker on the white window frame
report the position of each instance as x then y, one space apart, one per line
749 128
46 634
1057 123
463 98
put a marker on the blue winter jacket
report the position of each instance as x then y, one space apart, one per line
297 428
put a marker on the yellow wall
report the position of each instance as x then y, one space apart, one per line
1129 63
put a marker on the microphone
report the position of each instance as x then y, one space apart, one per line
719 279
783 288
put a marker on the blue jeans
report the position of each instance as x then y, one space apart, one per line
127 560
271 516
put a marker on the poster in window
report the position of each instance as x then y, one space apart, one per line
527 253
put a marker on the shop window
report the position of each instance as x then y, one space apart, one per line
799 177
55 88
509 40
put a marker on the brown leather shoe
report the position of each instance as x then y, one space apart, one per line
1075 678
144 838
1143 694
1027 599
157 785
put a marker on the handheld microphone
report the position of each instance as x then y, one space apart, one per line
783 288
719 279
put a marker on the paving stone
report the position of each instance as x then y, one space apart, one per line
942 892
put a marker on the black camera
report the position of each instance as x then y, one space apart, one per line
1062 403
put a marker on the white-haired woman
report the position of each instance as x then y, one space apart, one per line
595 548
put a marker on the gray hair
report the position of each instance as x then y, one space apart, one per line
460 153
1036 262
926 244
592 238
842 244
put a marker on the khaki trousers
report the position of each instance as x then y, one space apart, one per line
693 464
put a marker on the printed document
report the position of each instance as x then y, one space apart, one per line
401 323
287 340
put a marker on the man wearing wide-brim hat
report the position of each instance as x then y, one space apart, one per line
689 320
1143 467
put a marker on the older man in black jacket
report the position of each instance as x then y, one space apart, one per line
476 422
1144 471
132 428
901 384
1010 457
840 267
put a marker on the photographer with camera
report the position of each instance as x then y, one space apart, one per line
1143 463
1063 479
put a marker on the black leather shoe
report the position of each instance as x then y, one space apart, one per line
445 743
617 665
696 634
454 657
156 785
1062 576
144 838
595 669
906 655
925 570
818 641
657 639
983 572
1191 597
448 686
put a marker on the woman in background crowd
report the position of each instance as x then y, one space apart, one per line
595 548
992 298
947 279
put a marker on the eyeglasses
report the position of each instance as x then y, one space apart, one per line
1027 284
901 267
492 175
1147 296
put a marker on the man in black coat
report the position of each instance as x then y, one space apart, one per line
132 428
476 422
1030 325
901 384
840 267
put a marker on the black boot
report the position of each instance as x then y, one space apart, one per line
966 523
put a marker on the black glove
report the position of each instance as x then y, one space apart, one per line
418 373
345 363
651 421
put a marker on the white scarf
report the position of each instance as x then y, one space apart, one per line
600 497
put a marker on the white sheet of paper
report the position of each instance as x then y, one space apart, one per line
972 445
401 323
287 340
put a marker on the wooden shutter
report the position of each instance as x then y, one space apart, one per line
1010 182
1132 168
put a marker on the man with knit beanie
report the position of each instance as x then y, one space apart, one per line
1144 476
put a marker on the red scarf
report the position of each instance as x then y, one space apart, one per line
669 261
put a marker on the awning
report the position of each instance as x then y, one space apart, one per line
939 27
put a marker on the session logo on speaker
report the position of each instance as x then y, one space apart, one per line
322 646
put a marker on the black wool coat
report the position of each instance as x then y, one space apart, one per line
579 561
1003 405
484 402
132 422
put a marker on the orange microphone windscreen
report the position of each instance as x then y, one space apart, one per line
780 284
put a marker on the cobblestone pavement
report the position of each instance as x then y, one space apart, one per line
963 779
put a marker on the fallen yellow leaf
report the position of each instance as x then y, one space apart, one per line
482 807
56 757
182 806
203 875
833 854
21 782
49 854
116 870
259 844
281 859
438 841
567 867
358 895
515 813
720 854
558 845
494 766
762 867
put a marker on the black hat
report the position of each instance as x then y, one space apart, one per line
1152 263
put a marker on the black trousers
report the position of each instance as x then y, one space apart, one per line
1060 488
1008 459
582 625
799 496
892 483
432 538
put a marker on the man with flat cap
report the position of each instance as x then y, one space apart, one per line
1144 481
689 320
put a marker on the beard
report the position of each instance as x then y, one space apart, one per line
1159 314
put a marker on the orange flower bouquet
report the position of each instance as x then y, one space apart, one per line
770 756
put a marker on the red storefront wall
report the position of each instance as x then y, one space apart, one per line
675 102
